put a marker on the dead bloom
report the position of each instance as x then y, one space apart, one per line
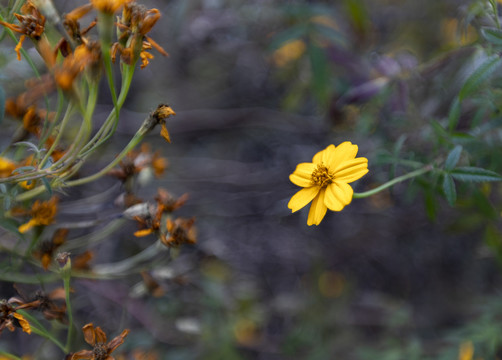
97 339
31 24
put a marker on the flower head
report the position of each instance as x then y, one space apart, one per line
326 179
42 213
10 319
31 24
97 339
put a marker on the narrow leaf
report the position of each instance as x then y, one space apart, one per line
479 76
453 157
469 173
492 35
449 189
47 186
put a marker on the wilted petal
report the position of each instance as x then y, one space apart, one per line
303 197
317 209
89 335
82 354
25 325
343 152
100 335
303 174
117 341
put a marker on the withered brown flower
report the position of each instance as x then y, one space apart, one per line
31 24
168 202
10 319
181 231
47 249
52 305
98 340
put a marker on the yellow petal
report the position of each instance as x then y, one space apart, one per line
342 191
352 170
164 133
324 156
302 198
333 202
317 209
25 325
25 227
303 174
343 152
144 232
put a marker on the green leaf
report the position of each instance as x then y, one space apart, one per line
430 205
23 169
449 189
47 185
320 73
293 33
439 129
492 35
469 173
453 157
479 76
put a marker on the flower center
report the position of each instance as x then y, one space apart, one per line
321 176
100 351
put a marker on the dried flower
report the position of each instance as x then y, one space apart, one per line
161 114
10 319
181 231
97 339
52 306
32 24
42 213
135 23
168 202
48 248
326 179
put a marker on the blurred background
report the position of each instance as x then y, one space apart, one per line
258 87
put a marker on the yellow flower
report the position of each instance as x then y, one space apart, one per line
326 179
466 351
6 167
42 213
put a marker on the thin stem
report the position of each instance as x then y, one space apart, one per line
39 329
66 272
138 137
9 356
122 266
393 182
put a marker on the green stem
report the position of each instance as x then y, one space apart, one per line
495 12
39 329
111 122
58 136
123 266
394 181
9 356
138 137
66 273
